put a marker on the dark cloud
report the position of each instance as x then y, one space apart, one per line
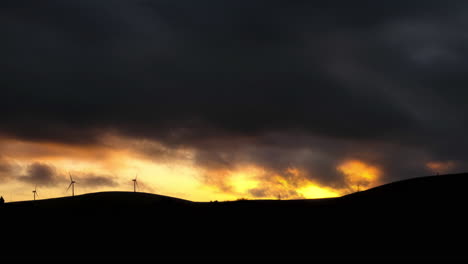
262 192
6 169
384 82
46 175
93 180
219 69
41 174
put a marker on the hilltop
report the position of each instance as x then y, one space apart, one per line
100 201
418 218
428 187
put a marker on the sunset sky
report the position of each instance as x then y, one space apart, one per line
221 100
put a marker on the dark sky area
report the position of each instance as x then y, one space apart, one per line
274 83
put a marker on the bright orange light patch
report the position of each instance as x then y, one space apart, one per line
254 182
359 173
242 181
293 171
313 191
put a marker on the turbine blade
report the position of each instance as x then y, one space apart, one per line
69 187
71 179
37 194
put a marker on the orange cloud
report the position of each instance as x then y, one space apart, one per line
360 174
54 151
253 182
172 172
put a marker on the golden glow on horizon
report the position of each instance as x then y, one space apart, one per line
309 189
177 175
314 191
244 180
293 186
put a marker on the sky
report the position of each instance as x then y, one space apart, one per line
223 100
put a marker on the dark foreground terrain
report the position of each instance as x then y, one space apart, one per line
422 218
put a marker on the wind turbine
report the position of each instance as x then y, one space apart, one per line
135 183
35 192
72 184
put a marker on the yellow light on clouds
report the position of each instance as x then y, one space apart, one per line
313 191
177 175
360 173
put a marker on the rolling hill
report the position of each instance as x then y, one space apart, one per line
100 201
428 187
415 218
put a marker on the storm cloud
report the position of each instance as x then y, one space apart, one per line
93 180
6 169
41 174
46 175
271 83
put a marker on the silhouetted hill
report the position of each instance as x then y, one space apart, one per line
429 187
101 201
417 218
418 197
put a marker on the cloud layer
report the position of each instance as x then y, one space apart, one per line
46 175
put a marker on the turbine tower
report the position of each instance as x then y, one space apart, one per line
135 183
72 184
35 192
